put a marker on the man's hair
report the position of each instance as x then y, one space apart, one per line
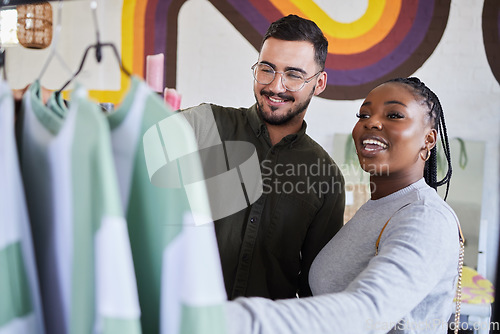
295 28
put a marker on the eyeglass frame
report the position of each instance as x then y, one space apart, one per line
306 80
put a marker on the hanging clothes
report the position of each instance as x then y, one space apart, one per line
56 104
80 235
20 306
177 264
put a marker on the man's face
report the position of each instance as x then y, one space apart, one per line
277 105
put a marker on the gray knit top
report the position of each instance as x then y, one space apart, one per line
407 288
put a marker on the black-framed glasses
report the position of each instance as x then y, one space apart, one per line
292 80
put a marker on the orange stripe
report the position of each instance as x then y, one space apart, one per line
352 45
285 7
128 36
140 14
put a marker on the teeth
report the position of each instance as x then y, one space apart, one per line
374 142
275 100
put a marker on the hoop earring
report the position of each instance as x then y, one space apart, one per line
428 155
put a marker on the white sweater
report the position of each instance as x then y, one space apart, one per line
407 288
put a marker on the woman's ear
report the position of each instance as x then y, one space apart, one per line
431 139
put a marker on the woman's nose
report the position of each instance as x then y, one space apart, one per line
373 123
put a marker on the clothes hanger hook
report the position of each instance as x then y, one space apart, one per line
98 50
55 41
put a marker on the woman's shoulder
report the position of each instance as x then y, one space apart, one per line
427 214
431 202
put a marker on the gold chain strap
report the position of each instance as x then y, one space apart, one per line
459 286
458 296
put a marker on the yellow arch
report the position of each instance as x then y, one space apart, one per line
127 54
334 28
342 45
364 42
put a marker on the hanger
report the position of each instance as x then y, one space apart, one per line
53 52
98 50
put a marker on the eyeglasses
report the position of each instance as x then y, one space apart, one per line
292 80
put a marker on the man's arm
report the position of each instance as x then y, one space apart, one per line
327 222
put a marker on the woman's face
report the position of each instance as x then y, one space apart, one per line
392 132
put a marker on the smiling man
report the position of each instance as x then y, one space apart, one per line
267 248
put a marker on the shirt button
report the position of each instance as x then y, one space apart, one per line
245 257
253 220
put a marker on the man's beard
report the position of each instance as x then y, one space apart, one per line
275 119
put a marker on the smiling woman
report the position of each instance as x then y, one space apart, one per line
393 132
393 266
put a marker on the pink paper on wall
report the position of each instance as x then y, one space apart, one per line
154 72
172 98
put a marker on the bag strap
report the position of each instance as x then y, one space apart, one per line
380 236
458 296
383 228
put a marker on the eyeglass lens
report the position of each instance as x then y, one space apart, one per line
292 80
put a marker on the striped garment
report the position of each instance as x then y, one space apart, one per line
176 261
20 307
81 240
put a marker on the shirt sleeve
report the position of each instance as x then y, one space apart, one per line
418 248
202 120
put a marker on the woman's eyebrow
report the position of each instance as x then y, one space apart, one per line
395 102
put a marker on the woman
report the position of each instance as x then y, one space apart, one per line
409 285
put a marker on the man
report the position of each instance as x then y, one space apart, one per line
267 248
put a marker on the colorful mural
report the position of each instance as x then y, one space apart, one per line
491 35
392 38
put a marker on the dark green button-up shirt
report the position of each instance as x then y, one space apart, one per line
267 248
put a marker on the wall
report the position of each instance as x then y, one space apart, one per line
457 71
214 66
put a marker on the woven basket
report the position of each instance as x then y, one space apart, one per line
34 25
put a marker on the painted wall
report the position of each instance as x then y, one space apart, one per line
213 65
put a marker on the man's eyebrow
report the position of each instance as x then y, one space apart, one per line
267 63
367 103
288 68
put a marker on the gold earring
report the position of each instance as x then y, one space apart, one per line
428 155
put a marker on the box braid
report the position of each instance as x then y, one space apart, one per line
437 118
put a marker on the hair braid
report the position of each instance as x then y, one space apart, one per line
437 120
446 148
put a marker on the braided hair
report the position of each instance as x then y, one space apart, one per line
437 120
